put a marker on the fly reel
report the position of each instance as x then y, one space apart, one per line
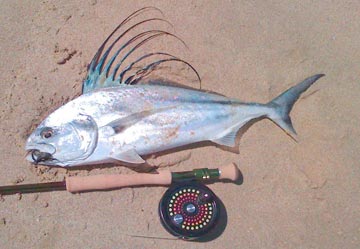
189 210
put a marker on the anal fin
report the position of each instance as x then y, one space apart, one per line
228 139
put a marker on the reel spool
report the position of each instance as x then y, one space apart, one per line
189 210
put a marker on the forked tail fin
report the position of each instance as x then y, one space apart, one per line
283 104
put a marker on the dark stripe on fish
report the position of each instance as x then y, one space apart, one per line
121 124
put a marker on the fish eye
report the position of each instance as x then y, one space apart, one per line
47 132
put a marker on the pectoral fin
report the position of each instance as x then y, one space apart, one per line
129 156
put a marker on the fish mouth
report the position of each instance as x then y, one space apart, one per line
37 156
40 153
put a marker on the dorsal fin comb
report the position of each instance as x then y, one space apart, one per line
100 74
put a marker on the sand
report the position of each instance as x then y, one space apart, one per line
301 194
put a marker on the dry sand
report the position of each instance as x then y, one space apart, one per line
294 195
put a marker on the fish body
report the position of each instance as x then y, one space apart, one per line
119 118
125 122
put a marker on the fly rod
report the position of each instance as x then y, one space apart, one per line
76 184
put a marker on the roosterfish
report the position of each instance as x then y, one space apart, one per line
118 117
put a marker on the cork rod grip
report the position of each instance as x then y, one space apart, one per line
229 172
101 182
